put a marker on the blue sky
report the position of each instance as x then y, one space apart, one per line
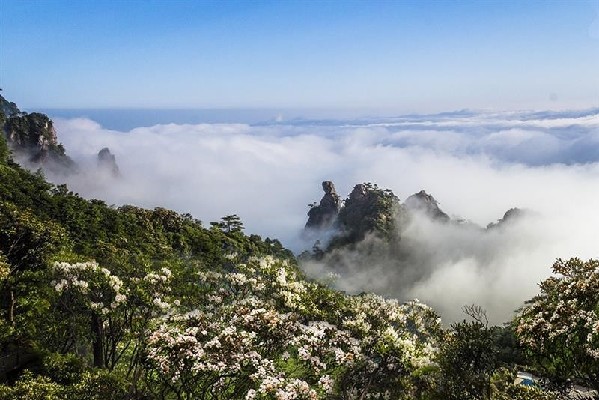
382 56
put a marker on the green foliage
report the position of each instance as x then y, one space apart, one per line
7 109
4 151
33 387
26 245
504 388
127 290
4 268
229 223
64 369
509 350
560 326
99 385
467 359
368 209
27 241
41 223
91 385
25 190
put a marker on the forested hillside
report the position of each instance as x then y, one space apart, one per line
100 302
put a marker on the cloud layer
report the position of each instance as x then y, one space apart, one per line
477 165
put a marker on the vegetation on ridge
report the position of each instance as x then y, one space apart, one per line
126 303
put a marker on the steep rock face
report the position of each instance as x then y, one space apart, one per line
33 136
382 245
424 202
510 215
371 210
34 131
357 213
323 216
367 209
107 162
7 109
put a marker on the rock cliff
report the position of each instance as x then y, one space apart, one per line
510 215
323 215
32 137
427 204
371 210
107 162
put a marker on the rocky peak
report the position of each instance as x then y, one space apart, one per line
323 215
328 187
359 193
368 209
510 215
107 162
31 131
32 136
427 204
7 109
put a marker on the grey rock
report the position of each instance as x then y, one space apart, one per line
427 204
323 215
107 162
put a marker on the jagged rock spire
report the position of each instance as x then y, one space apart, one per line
107 162
323 215
427 204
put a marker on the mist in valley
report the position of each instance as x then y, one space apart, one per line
476 164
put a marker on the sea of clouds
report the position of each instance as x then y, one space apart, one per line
476 164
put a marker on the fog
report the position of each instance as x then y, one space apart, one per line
476 164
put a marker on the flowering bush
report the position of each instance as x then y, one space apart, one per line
560 326
119 314
99 289
263 332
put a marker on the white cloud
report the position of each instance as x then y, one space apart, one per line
476 165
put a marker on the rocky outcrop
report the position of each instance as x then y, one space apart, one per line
372 212
7 109
33 137
31 131
425 203
323 215
359 194
107 162
367 209
510 215
359 210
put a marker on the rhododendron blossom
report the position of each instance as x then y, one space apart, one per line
264 332
564 318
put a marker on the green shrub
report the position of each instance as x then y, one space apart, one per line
63 368
30 387
98 385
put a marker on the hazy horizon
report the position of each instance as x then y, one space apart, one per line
125 119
